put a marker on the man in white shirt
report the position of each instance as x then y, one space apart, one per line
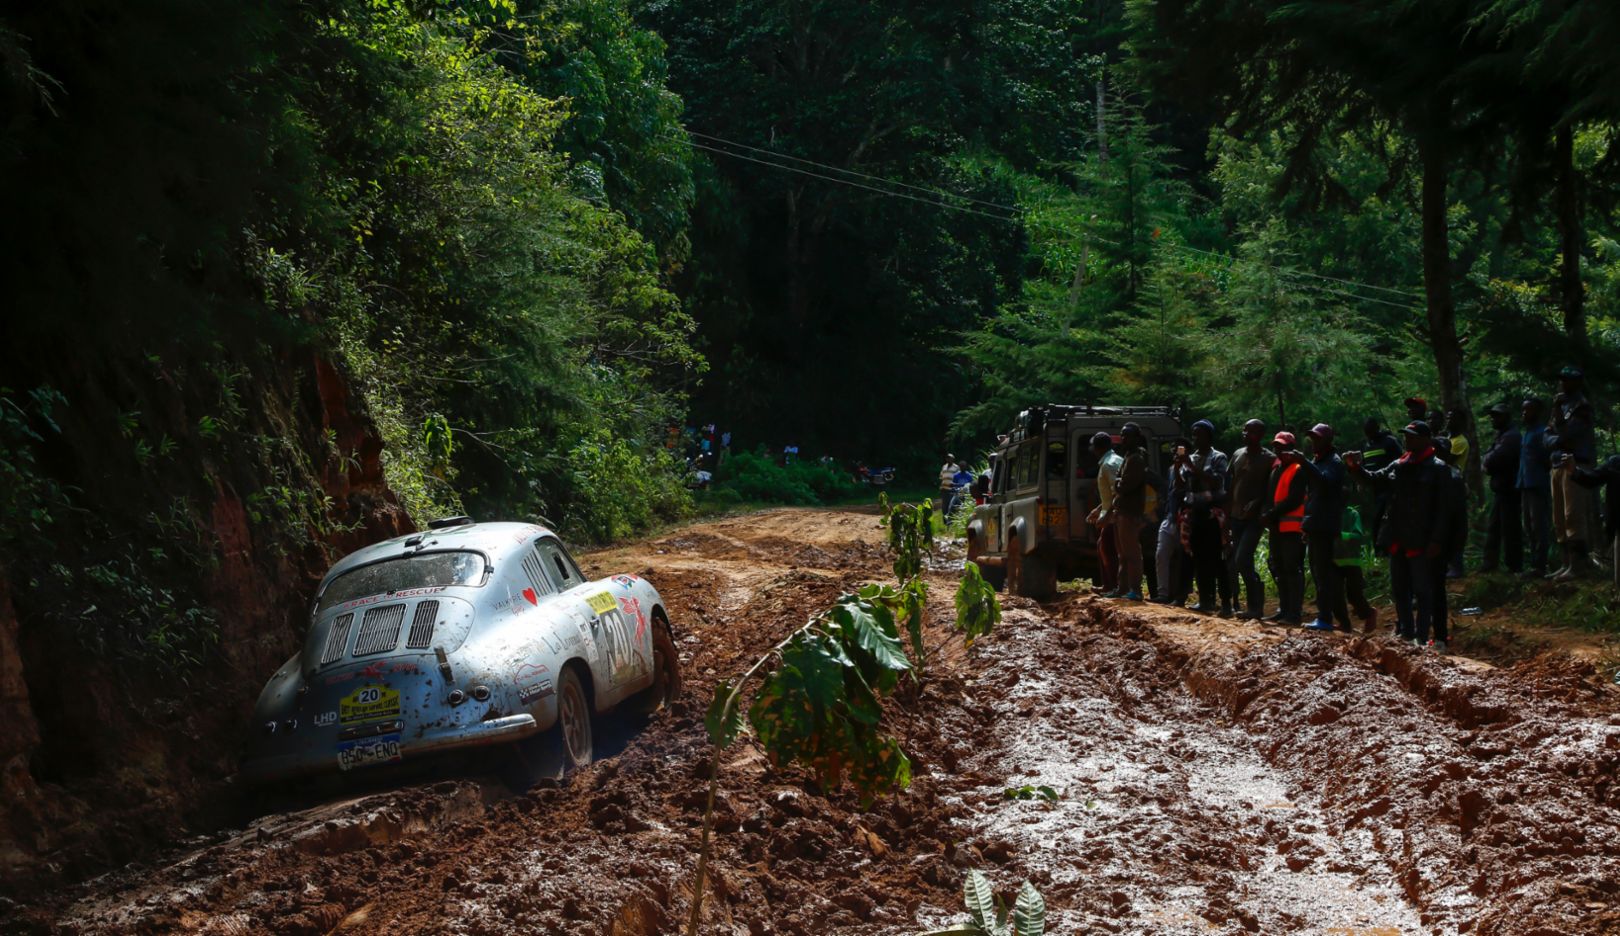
947 482
1109 463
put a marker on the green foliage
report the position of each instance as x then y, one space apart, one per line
30 500
618 490
746 476
978 610
988 916
1028 792
910 532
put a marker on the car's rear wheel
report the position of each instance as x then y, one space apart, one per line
666 684
1030 576
567 746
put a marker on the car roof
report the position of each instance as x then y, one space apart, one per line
496 540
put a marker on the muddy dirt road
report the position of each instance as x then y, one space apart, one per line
1214 777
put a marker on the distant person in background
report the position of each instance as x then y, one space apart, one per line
1454 534
1504 536
947 482
1324 512
1251 476
1451 447
1171 567
1534 484
1203 480
1101 518
1130 502
1353 549
1607 476
1414 533
961 482
1417 409
1379 449
1286 518
981 485
1573 446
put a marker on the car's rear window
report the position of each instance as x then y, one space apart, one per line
429 570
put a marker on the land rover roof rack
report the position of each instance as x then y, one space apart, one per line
444 523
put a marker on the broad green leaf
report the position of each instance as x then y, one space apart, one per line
981 899
1029 913
864 631
723 725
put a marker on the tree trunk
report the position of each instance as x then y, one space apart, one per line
1102 126
1570 236
1442 313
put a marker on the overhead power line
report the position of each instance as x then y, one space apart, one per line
1009 214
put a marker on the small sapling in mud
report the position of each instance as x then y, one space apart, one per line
989 916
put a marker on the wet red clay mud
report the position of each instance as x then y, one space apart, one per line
1213 778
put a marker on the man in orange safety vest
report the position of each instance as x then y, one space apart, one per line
1286 519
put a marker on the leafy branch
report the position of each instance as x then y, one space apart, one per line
990 917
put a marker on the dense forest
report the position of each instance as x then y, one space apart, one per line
285 276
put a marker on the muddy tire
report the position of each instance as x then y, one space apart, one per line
666 687
1030 576
996 576
566 746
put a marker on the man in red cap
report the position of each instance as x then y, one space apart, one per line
1286 518
1415 532
1417 409
1324 512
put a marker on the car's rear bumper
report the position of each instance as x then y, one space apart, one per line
321 758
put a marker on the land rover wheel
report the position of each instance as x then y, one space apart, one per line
1030 576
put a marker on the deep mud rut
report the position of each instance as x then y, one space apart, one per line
1213 777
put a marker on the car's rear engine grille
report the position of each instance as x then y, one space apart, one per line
338 639
379 630
421 635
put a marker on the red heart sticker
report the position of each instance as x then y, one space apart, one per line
528 593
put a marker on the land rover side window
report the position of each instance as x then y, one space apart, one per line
558 564
998 479
1057 459
425 570
1029 463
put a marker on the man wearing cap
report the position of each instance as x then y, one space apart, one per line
1109 464
1534 485
1573 446
1285 516
1203 479
1130 504
1501 464
947 483
1417 409
1414 533
1324 511
1251 493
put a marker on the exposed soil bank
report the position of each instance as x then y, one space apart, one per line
1214 778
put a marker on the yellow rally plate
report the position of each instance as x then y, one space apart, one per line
368 703
602 602
1054 516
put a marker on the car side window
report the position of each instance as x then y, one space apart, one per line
534 569
558 565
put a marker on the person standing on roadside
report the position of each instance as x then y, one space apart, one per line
1324 511
1130 503
1285 516
1417 409
1534 484
1204 478
1351 558
1101 519
947 483
1414 533
1454 534
1251 476
1171 567
1504 536
1573 446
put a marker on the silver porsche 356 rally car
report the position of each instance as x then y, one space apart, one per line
466 635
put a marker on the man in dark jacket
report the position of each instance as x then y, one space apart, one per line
1573 446
1285 516
1130 503
1414 534
1250 493
1203 479
1606 475
1501 464
1534 485
1324 510
1454 533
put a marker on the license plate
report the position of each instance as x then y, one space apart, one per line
1055 515
366 752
